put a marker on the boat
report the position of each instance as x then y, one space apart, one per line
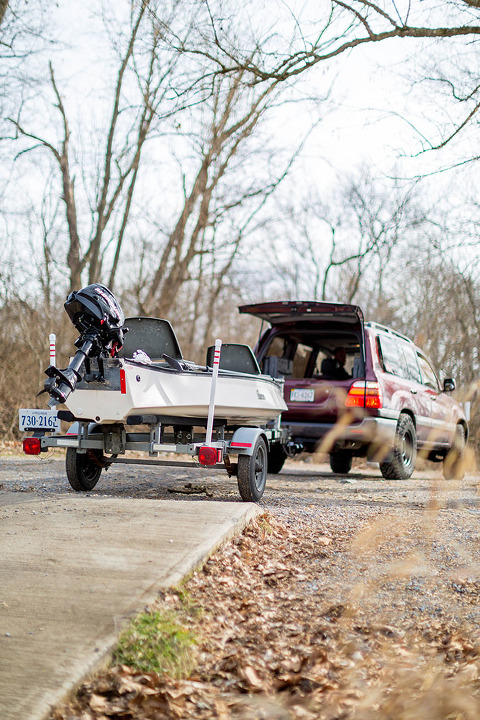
132 370
171 387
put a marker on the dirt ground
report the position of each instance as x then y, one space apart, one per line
351 597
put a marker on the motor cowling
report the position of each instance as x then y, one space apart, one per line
95 309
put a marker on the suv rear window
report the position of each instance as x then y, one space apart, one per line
287 356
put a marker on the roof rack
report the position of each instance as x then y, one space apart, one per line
384 328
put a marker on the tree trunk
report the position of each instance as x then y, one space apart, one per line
3 9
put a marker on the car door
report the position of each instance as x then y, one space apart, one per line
421 399
441 406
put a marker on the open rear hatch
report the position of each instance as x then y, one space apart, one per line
299 346
293 311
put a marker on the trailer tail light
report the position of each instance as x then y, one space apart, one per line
365 394
208 455
31 446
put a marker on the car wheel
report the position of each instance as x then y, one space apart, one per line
454 463
276 458
404 452
341 462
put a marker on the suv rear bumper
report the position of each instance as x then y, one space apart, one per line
372 436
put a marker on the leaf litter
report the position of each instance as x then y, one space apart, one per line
302 618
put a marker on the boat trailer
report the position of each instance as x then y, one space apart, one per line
213 443
243 452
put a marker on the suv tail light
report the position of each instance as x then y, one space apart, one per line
364 394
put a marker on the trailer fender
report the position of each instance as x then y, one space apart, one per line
92 428
244 439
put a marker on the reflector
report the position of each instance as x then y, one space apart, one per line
31 446
207 455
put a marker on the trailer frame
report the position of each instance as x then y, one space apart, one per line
243 451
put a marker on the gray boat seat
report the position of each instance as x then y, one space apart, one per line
152 335
233 356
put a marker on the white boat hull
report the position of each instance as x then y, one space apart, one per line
135 389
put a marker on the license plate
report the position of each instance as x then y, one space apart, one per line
302 395
34 419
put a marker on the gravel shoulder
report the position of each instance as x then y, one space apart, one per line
351 595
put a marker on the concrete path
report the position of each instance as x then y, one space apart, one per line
74 568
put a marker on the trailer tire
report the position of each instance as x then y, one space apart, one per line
83 469
276 458
252 472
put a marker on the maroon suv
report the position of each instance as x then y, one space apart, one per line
357 389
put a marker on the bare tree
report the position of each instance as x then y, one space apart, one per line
339 239
3 9
292 44
114 189
337 27
442 312
235 111
345 26
452 84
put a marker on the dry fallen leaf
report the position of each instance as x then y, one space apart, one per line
99 703
249 674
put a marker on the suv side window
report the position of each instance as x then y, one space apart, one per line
412 364
428 374
392 356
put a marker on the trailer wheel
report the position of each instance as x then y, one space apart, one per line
252 472
83 469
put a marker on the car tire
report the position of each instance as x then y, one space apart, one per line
276 458
404 453
454 463
341 462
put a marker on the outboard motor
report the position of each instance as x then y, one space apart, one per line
98 317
